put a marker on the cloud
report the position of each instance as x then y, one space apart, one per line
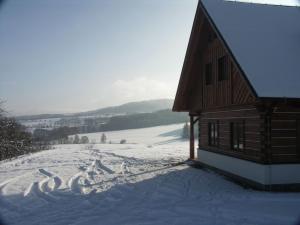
97 96
142 88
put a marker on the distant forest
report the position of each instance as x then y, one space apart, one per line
140 120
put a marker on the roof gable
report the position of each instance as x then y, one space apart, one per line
264 40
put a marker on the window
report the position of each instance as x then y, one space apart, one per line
211 36
222 69
199 134
208 73
298 138
237 131
213 134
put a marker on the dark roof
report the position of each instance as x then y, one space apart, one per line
264 40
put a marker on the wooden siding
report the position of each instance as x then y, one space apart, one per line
253 131
193 95
190 69
285 146
272 130
233 91
241 92
272 133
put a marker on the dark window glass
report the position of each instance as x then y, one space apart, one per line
298 138
237 130
199 134
211 36
213 134
208 74
222 69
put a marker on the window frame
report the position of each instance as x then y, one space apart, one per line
213 133
210 74
237 135
298 138
223 68
211 36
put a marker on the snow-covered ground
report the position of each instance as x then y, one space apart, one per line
136 183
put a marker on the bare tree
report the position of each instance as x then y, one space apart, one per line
2 111
14 140
103 138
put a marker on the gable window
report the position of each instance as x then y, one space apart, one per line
222 69
213 133
237 132
208 74
211 36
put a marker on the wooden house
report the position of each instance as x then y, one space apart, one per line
240 83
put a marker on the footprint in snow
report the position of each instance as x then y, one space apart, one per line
51 183
36 189
124 168
98 166
46 173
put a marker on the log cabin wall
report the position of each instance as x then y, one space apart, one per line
193 93
268 138
253 131
285 134
219 92
232 91
191 66
226 101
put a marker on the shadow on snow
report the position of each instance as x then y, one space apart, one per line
180 196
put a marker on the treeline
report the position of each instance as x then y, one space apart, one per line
162 117
60 135
132 121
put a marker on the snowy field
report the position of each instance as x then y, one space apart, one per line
137 183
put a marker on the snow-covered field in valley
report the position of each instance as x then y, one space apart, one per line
135 183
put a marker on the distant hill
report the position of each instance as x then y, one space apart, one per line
132 108
128 108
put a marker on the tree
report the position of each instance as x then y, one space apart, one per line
123 141
185 131
14 140
103 138
46 136
76 139
70 140
84 140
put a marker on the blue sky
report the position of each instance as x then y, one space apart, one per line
75 55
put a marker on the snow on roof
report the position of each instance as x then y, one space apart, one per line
265 41
271 2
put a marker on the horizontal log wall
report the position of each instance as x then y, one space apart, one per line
285 134
253 131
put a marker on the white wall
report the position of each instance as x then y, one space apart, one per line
263 174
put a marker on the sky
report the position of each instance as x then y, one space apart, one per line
76 55
63 56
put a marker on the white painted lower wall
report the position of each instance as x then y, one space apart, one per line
263 174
